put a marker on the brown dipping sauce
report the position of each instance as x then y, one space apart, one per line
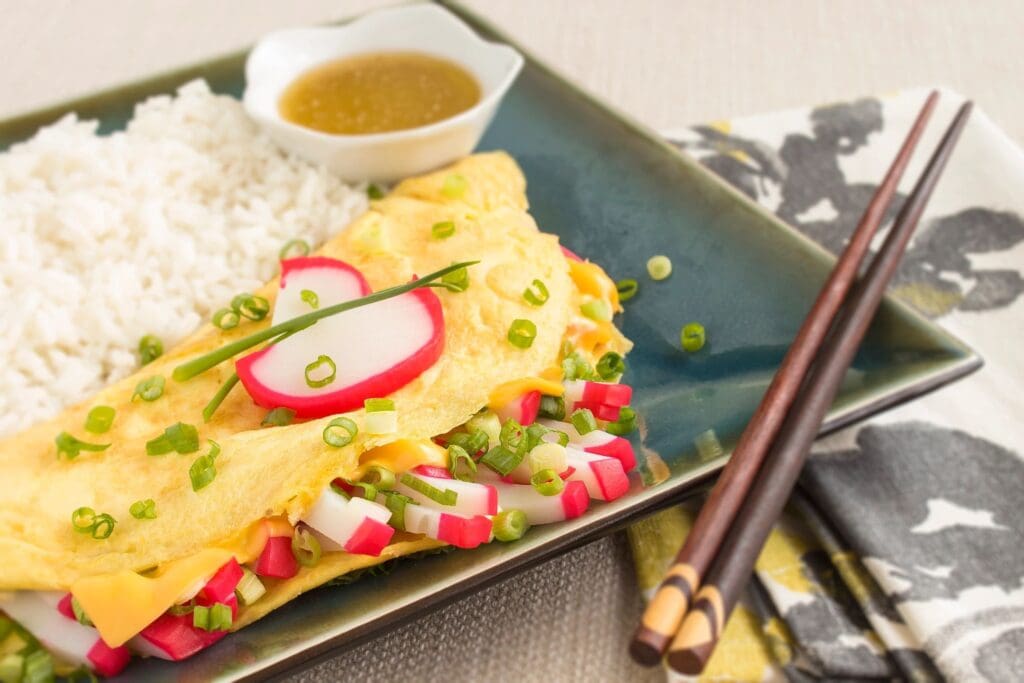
378 92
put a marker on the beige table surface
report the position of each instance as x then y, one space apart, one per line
668 63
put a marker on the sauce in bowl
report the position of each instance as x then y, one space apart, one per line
378 92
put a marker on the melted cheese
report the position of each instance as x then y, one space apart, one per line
590 279
403 455
122 604
510 391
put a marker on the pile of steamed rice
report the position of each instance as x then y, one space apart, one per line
148 231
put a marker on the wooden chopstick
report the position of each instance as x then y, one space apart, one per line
664 614
734 562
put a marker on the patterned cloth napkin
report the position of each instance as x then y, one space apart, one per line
902 551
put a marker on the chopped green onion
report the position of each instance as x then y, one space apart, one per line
99 419
310 297
575 366
218 398
381 477
216 617
378 405
80 616
182 610
457 280
535 435
502 460
204 470
627 289
552 407
472 442
295 247
396 502
454 186
249 588
321 361
488 423
368 490
85 520
69 447
625 424
202 363
583 420
226 319
708 445
150 348
659 267
597 309
441 496
458 456
6 626
563 438
306 547
547 456
250 306
340 431
510 525
522 333
692 337
11 666
374 192
547 483
278 417
512 435
37 667
150 389
610 366
537 293
143 509
442 230
180 437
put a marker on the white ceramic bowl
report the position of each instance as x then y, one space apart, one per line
282 56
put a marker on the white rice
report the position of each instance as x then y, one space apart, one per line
106 238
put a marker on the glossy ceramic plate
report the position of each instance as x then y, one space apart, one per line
615 192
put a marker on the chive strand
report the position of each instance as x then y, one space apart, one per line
219 397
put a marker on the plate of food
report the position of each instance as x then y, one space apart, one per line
281 371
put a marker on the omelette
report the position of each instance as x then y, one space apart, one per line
166 531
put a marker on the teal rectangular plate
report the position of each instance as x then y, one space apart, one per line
616 193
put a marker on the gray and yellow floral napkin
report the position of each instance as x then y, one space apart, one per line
902 552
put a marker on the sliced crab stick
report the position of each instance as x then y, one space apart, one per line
597 442
523 409
540 509
603 476
277 560
40 612
461 531
355 525
471 498
597 393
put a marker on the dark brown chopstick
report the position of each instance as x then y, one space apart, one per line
664 614
734 562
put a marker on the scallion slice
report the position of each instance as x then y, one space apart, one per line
457 280
143 509
610 366
310 297
512 435
378 405
69 446
216 617
454 186
441 496
80 616
522 333
321 362
396 502
218 398
340 431
306 547
180 437
374 192
226 319
627 289
292 248
625 424
659 267
150 389
597 309
37 667
460 464
547 483
537 293
11 667
150 348
278 417
552 407
708 445
85 520
368 490
583 420
250 306
510 525
99 419
204 469
502 460
575 366
692 337
442 230
249 588
473 442
535 435
381 477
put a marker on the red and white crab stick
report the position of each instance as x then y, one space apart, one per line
355 525
603 476
540 509
603 399
523 409
597 442
471 498
461 531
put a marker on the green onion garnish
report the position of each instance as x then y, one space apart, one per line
37 667
321 361
278 417
310 297
692 337
456 281
249 588
522 333
575 366
502 460
368 490
610 366
512 435
340 431
441 496
473 442
99 419
510 525
460 464
226 319
597 309
69 447
381 477
295 247
536 294
80 616
218 398
659 267
306 547
143 509
547 483
202 363
150 348
563 438
378 405
552 407
180 437
583 420
708 445
396 502
150 389
442 230
625 424
85 520
204 470
11 665
627 289
250 306
216 617
534 435
374 192
454 186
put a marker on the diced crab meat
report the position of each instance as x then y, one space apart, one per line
471 498
603 476
540 509
523 409
355 525
597 442
461 531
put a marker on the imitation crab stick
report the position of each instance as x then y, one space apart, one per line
461 531
523 409
355 525
604 399
470 498
597 442
540 509
603 476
